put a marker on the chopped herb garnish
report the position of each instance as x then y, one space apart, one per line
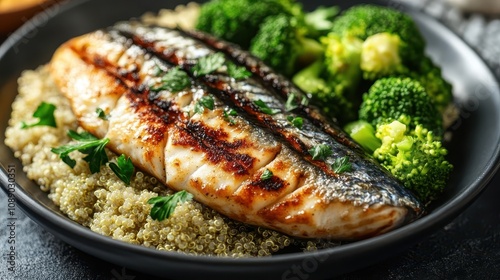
123 168
304 101
238 72
204 102
45 115
296 121
164 206
320 152
266 175
229 114
208 64
264 108
101 114
290 103
341 165
174 80
88 144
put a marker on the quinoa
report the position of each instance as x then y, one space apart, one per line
103 203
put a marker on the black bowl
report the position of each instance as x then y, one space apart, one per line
474 152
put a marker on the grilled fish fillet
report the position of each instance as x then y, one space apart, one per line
217 157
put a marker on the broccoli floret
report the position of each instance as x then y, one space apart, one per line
416 157
366 21
440 91
403 99
282 44
364 134
326 96
333 81
238 21
380 56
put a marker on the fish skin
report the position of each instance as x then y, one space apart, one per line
219 162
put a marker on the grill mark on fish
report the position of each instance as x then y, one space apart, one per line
213 143
291 199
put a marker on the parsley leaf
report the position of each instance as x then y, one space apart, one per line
304 101
204 102
45 115
341 165
123 168
320 152
264 108
174 80
101 114
296 121
290 103
88 144
229 114
238 72
164 206
266 175
208 64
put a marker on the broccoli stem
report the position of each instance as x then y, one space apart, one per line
364 134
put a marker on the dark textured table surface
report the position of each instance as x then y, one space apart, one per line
466 248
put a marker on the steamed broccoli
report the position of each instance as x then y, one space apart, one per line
282 44
380 56
364 134
392 43
416 157
429 75
319 21
238 21
333 81
402 99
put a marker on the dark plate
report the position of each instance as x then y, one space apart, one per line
474 152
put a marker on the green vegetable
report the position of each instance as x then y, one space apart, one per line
320 152
416 157
164 206
266 175
342 165
264 108
364 134
333 81
296 121
238 21
282 44
45 115
238 72
123 168
291 103
88 144
204 102
174 80
363 21
430 77
229 114
320 20
380 56
101 114
402 99
208 64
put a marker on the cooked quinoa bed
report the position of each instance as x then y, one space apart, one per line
103 203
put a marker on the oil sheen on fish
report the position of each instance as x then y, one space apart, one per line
220 153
